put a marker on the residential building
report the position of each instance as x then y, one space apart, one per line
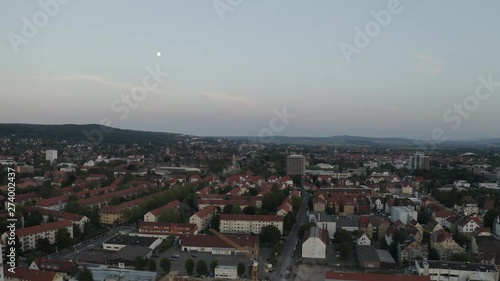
403 213
26 274
410 250
203 217
77 219
51 155
152 216
469 224
456 271
369 257
230 223
165 229
295 165
444 244
363 240
63 267
325 222
226 272
348 223
419 162
315 243
28 236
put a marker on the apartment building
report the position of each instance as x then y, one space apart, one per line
230 223
165 229
28 236
154 215
203 217
77 219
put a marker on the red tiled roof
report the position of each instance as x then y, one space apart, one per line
250 217
57 214
26 274
64 266
204 212
21 232
344 276
170 205
52 201
167 228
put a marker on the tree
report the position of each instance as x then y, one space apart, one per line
165 265
170 215
152 264
63 238
189 266
250 210
139 263
43 244
344 249
213 265
270 234
201 268
227 209
241 269
461 257
342 236
215 224
85 274
288 221
236 210
460 238
73 207
490 216
434 255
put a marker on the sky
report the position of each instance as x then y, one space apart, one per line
380 68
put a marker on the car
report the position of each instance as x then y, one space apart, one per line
173 259
194 256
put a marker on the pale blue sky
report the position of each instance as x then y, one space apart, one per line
226 76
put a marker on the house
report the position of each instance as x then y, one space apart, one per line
444 244
325 222
410 250
391 230
63 267
165 229
315 243
203 217
285 207
468 224
28 236
247 224
379 205
363 240
154 215
433 226
319 203
26 274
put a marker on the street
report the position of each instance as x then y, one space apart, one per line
286 260
72 253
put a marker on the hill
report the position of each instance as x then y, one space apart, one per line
79 133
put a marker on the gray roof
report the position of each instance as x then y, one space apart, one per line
367 254
347 221
385 256
101 274
131 240
130 253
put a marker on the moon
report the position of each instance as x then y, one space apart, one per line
158 54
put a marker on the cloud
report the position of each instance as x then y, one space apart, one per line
91 78
229 98
430 65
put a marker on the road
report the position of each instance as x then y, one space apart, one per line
286 260
73 252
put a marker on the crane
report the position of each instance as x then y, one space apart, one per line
252 253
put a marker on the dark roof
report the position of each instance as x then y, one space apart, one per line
131 240
215 242
129 253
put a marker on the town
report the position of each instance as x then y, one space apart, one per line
147 206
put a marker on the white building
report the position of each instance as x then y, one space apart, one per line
203 217
28 236
456 271
403 213
246 224
314 245
51 155
363 240
325 222
379 205
226 272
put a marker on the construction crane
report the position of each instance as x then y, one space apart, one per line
252 253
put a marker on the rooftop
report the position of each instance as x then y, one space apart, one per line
458 266
131 240
344 276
